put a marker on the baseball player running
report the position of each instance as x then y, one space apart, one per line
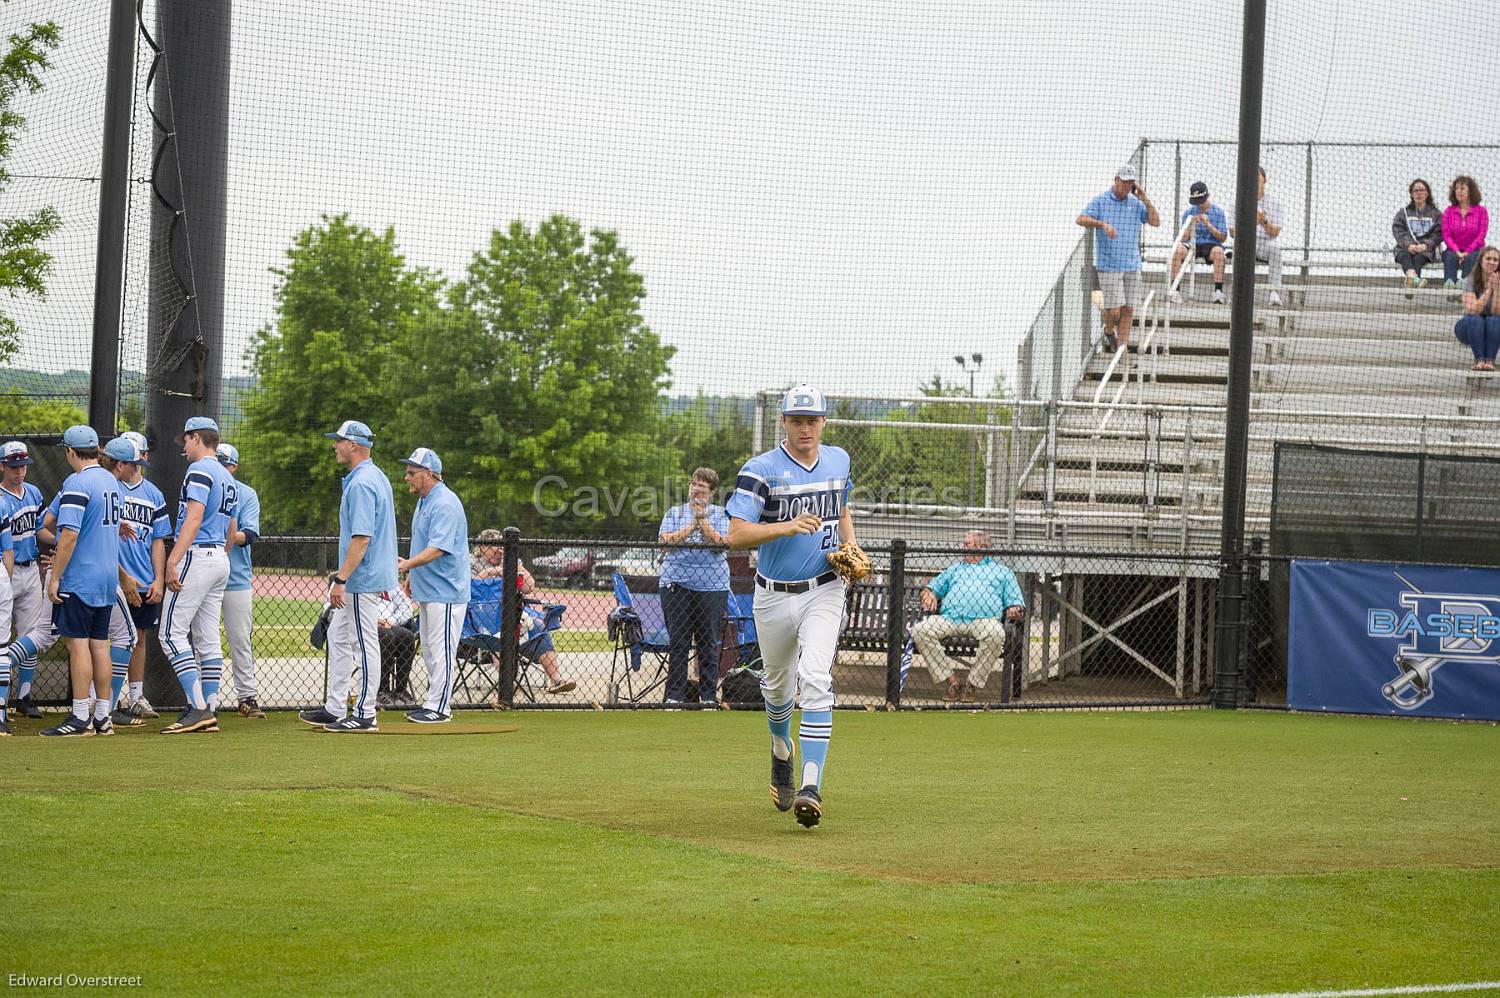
196 572
437 579
143 557
21 502
7 555
367 568
85 578
237 594
792 503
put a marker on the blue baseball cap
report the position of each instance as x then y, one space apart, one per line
804 400
228 454
353 429
80 438
425 457
15 454
197 423
122 448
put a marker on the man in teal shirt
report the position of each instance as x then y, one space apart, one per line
978 594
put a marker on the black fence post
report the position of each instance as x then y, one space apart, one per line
510 616
1249 647
895 623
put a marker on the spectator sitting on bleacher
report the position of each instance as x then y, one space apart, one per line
1208 234
1418 231
1465 224
1479 329
488 562
1267 233
978 595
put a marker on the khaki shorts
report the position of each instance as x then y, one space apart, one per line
1121 288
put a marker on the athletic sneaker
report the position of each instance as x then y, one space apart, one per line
26 707
352 725
424 716
1274 299
74 727
562 686
249 708
782 790
1218 297
122 718
193 720
317 717
142 709
4 728
808 806
103 726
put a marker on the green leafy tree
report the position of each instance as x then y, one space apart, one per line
23 415
24 265
709 433
349 311
543 393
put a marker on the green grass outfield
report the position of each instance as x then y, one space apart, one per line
1188 853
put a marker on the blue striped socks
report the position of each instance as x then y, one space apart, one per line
119 667
187 675
23 660
816 727
213 670
779 717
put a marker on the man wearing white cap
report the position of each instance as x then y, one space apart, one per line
145 560
237 591
437 579
1117 214
21 503
367 568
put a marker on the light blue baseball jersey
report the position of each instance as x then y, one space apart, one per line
90 504
248 519
146 511
208 483
24 511
7 543
440 522
775 487
368 509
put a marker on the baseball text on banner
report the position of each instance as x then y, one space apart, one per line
1395 639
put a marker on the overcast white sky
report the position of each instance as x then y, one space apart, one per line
848 192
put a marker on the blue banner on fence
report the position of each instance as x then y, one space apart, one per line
1394 639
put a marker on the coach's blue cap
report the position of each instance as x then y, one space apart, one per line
15 454
228 454
804 400
424 457
80 437
354 430
197 423
122 448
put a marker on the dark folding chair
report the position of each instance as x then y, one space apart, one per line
479 644
642 639
741 612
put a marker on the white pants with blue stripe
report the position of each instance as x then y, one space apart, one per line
799 638
189 628
354 646
441 625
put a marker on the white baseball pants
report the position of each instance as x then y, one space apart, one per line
799 637
237 629
29 609
189 630
354 644
441 624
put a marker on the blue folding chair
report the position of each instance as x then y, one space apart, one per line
479 642
741 611
641 596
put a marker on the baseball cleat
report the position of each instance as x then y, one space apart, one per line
782 790
250 708
808 806
425 716
142 709
352 725
103 726
26 707
125 719
193 720
317 717
73 727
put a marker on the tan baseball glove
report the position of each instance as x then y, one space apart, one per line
850 561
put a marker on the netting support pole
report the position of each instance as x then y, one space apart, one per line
895 623
510 616
1231 635
114 189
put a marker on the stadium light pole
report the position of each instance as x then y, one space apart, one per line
1231 616
109 252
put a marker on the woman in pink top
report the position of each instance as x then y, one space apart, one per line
1465 225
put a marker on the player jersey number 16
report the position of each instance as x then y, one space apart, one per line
111 511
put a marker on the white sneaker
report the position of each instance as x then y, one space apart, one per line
1274 300
1218 297
1175 297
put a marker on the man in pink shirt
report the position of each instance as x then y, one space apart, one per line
1465 224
